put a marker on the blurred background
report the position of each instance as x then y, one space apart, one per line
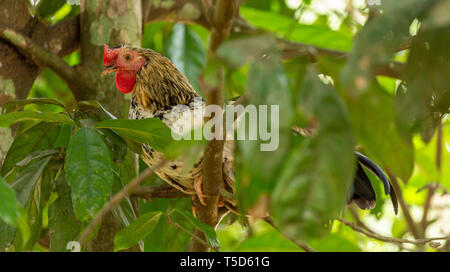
329 24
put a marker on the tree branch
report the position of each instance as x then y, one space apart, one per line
163 191
213 155
44 57
419 242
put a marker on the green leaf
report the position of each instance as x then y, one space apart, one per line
152 131
39 137
6 120
373 117
63 225
267 84
137 231
88 171
28 192
9 206
210 233
15 105
63 136
185 49
116 144
46 8
25 183
290 29
313 186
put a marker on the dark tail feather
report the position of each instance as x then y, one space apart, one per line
363 194
376 170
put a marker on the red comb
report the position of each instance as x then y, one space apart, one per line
109 55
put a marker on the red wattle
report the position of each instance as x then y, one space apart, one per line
125 81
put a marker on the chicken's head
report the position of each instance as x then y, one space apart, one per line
125 63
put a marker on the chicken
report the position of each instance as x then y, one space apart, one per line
160 90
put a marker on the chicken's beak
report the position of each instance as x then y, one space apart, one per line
109 69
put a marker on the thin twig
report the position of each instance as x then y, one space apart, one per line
390 239
300 244
116 199
412 226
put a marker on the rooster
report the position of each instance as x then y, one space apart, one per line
160 90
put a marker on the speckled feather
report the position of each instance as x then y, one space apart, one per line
162 91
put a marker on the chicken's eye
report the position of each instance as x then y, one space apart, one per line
127 57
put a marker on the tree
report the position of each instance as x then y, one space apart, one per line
381 84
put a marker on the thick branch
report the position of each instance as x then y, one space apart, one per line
44 57
212 157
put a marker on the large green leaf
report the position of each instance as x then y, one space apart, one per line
88 171
152 131
9 206
267 84
288 28
313 186
185 49
38 138
6 120
137 231
373 116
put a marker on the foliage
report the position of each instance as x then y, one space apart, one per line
70 157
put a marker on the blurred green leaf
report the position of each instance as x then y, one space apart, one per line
380 37
288 28
9 208
313 187
88 171
47 8
137 231
427 81
185 49
6 120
